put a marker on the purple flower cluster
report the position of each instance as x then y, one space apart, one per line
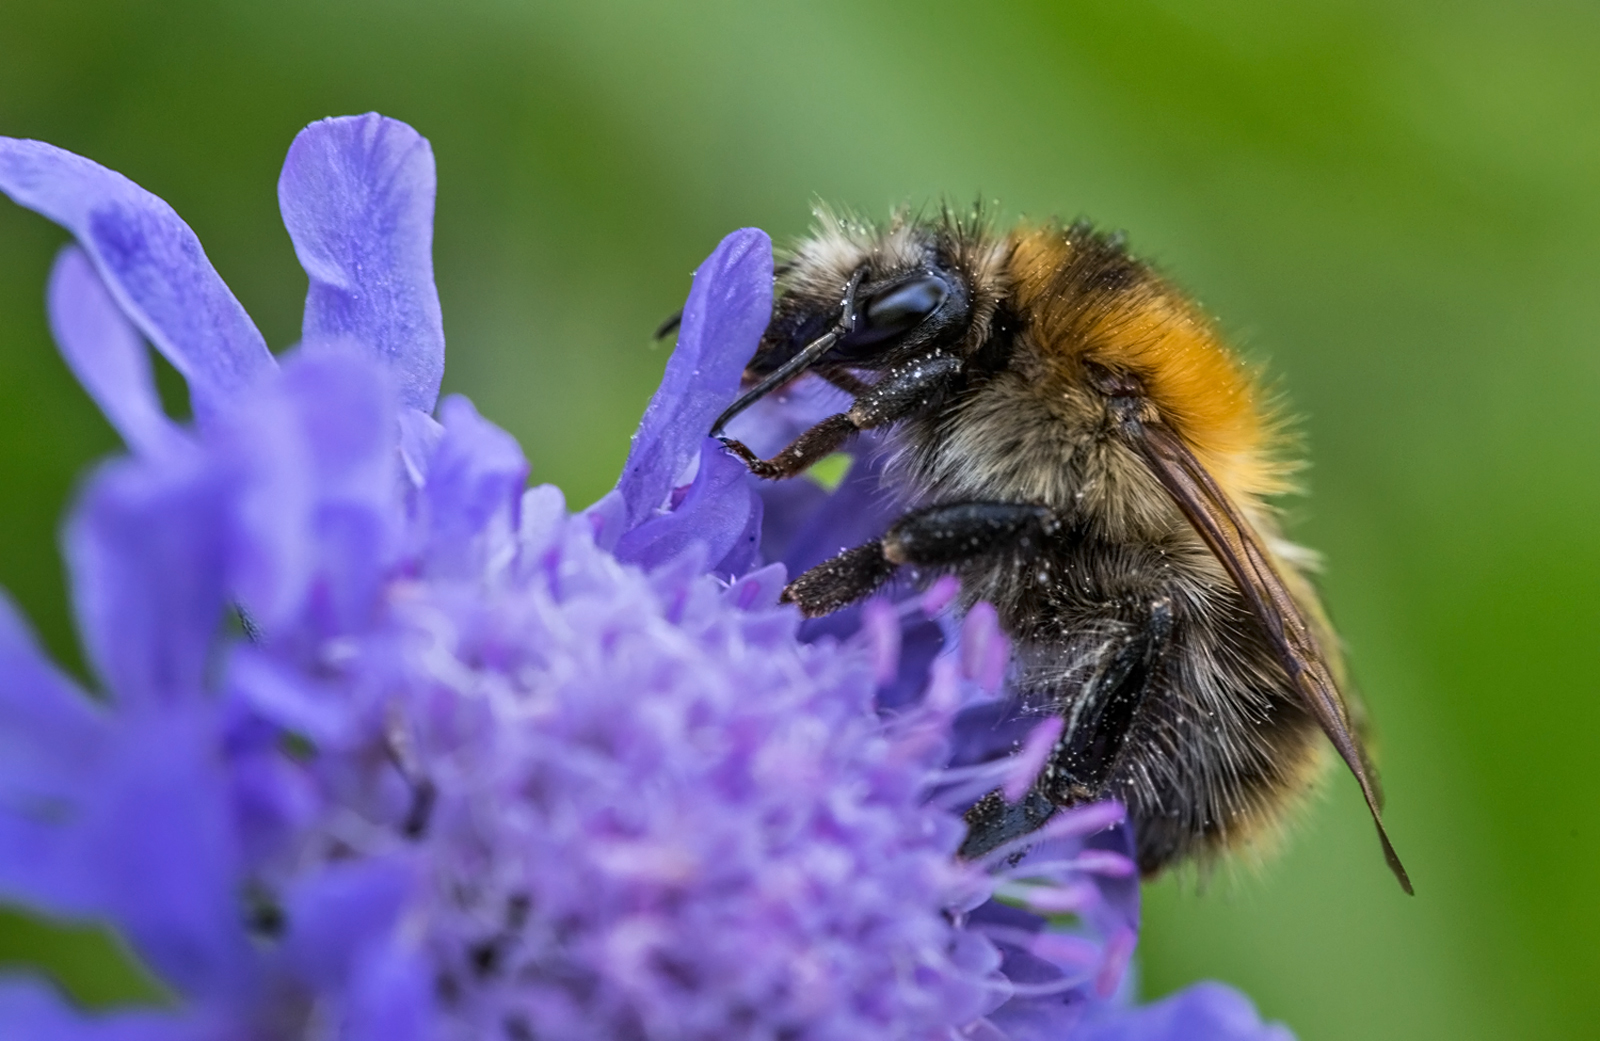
389 746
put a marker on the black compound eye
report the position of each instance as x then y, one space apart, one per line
898 309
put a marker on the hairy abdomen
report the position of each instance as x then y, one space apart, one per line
1217 742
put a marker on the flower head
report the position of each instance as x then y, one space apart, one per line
390 746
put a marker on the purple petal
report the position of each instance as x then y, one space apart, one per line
726 313
32 1010
717 511
146 549
106 354
152 264
341 915
319 712
1026 764
758 590
745 551
680 582
608 519
1203 1012
273 800
1038 1020
419 436
320 514
144 842
163 850
860 510
985 651
357 197
881 624
789 506
471 492
1056 963
53 744
1117 913
940 595
49 731
921 640
1118 953
390 998
543 513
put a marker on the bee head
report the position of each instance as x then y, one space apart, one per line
886 292
867 297
878 317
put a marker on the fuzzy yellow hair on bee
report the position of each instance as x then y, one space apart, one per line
1071 437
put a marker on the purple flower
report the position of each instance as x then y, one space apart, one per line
390 746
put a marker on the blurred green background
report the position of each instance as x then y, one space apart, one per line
1397 205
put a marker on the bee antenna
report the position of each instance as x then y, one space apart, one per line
667 327
807 357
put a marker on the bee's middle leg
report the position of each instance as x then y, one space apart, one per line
937 536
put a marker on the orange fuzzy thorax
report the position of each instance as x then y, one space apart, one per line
1149 329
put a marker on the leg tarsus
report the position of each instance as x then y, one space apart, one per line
898 394
839 582
821 440
992 822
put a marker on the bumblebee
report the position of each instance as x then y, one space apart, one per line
1076 444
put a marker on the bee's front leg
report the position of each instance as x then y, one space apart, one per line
821 440
907 388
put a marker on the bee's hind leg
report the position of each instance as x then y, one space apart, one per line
932 537
992 822
1098 720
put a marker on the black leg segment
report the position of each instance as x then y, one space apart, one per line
840 582
1098 720
905 389
933 537
821 440
1099 716
898 393
957 532
992 822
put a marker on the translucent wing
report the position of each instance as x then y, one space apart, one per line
1236 545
